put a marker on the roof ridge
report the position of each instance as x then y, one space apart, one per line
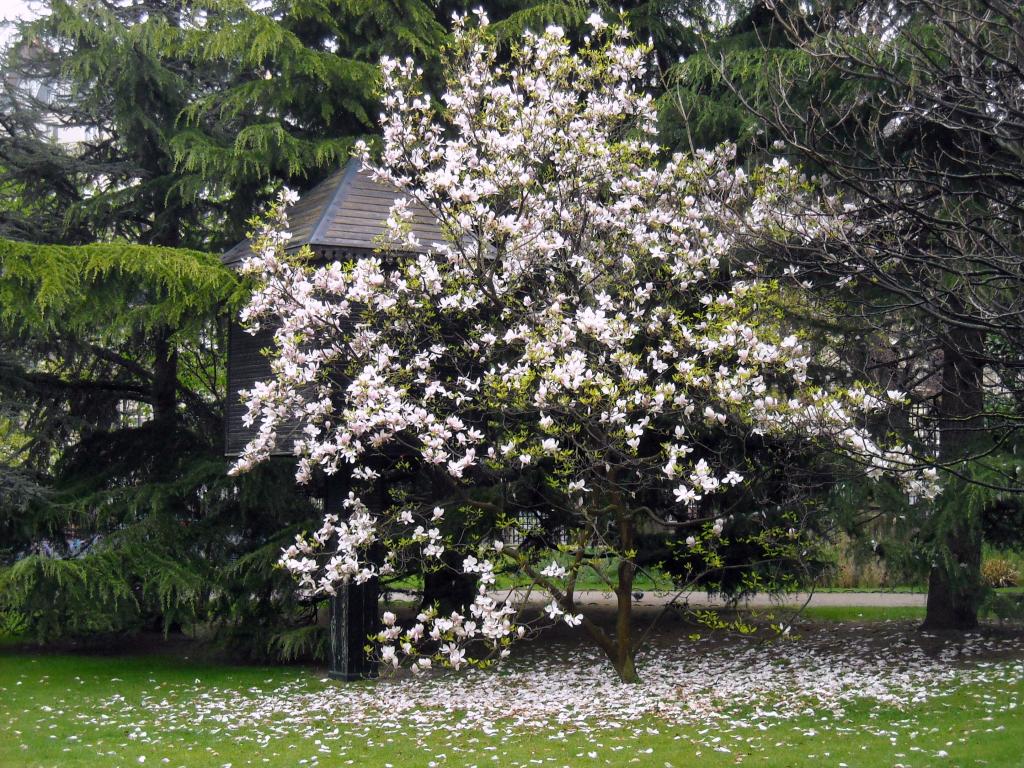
351 169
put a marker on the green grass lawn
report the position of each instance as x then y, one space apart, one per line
599 576
863 613
68 711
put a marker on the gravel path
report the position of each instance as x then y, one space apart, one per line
700 599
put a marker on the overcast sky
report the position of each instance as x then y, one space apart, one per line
15 9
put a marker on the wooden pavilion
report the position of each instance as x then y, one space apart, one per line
340 218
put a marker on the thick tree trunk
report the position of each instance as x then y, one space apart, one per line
954 584
165 378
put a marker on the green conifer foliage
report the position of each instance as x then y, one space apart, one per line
112 520
303 85
100 77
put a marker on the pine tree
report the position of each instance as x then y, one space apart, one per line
112 345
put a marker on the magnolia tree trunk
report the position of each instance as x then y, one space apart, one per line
625 652
624 658
620 647
954 584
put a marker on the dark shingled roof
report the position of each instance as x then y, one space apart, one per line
341 216
344 214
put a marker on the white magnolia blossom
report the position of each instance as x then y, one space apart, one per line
586 289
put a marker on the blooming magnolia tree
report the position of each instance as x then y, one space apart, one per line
589 330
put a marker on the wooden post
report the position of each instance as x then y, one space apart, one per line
353 613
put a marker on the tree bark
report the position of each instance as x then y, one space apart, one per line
619 648
954 583
625 663
165 378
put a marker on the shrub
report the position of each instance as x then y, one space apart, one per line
997 572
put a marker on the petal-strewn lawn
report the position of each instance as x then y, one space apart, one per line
862 695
